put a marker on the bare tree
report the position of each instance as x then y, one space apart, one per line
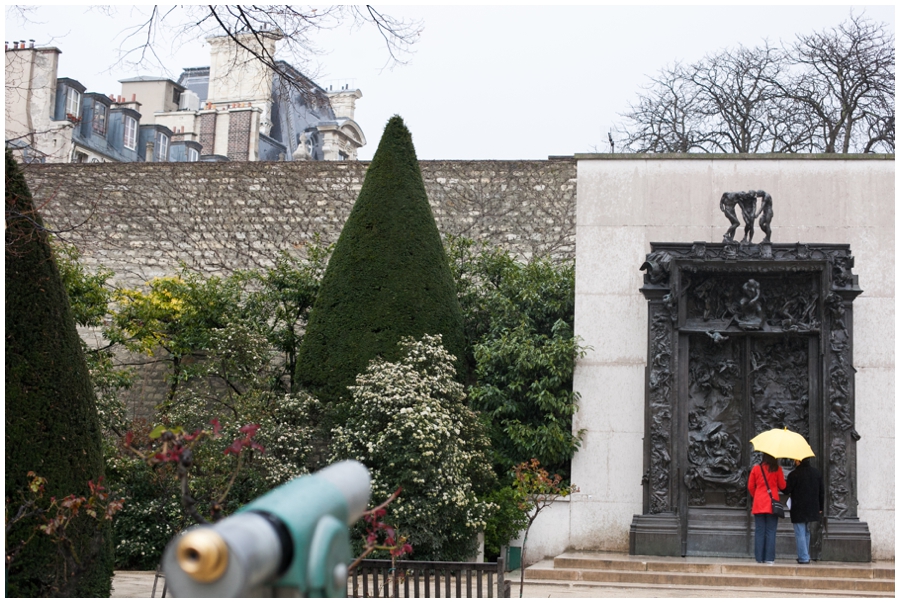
720 104
845 78
831 92
667 117
735 90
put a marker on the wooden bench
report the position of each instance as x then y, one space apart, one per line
425 579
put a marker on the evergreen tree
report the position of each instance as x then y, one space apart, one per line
51 419
388 277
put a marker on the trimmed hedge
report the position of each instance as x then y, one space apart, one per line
388 277
51 418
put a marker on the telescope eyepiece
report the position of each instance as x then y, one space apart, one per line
203 555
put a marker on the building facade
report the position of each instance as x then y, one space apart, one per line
237 109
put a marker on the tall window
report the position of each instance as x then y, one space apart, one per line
130 133
161 152
73 102
193 155
100 118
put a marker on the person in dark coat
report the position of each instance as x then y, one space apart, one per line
807 493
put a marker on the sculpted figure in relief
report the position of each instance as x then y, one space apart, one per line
751 310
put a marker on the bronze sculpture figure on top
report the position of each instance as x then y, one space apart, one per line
747 202
765 215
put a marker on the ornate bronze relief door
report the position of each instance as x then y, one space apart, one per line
742 339
717 409
738 386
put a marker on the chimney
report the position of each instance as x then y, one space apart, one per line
343 102
30 43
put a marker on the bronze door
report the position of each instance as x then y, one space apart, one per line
737 387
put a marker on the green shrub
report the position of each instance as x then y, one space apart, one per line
90 296
520 324
387 278
408 424
51 419
152 514
506 521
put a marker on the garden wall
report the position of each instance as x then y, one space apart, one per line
142 220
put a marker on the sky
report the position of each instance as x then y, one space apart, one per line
497 82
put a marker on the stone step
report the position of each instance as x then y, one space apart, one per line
833 570
676 590
848 579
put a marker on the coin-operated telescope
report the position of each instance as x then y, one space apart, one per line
292 541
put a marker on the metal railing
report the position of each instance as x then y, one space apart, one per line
426 579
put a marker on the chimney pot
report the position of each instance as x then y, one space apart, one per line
30 43
134 97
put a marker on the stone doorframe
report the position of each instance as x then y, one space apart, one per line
820 308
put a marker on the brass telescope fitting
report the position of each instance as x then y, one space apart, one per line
202 554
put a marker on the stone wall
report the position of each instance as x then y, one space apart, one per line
140 220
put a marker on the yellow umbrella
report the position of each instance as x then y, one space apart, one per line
782 444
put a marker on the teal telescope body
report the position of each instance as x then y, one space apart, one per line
292 541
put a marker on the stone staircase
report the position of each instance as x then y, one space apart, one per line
741 577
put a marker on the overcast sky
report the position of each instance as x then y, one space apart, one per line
501 82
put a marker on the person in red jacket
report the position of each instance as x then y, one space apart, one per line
766 522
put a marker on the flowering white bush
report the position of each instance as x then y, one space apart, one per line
286 433
408 424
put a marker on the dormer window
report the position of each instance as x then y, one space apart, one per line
161 149
193 154
73 103
100 113
130 133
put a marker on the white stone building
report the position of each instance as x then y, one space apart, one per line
626 202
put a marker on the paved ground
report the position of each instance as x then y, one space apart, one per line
138 585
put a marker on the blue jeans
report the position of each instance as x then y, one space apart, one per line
801 535
766 526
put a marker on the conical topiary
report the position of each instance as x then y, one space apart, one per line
388 277
51 417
